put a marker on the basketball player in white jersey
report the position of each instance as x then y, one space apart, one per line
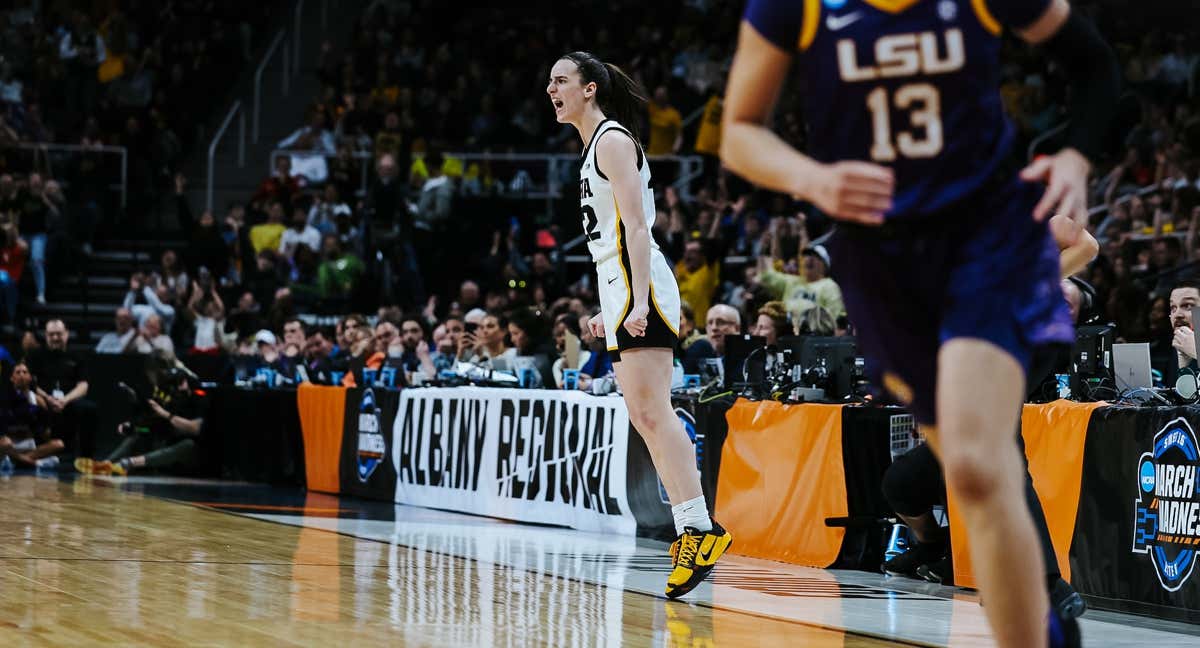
639 299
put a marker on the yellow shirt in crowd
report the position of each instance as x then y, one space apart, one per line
665 126
697 288
708 137
266 236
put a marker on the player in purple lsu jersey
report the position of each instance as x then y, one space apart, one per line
943 255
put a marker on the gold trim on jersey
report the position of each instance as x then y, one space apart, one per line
810 23
891 6
659 309
986 18
621 264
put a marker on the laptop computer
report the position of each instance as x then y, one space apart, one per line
1131 366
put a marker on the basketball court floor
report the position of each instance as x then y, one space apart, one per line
154 561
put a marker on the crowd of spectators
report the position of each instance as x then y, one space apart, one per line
311 241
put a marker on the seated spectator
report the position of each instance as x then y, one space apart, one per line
318 363
445 352
269 235
120 340
23 417
143 301
173 423
339 274
325 211
280 187
60 382
566 326
772 323
300 233
151 339
532 344
722 320
12 267
688 333
1184 297
487 345
599 362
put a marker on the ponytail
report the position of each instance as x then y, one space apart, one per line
617 94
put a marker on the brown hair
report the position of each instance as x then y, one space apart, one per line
618 95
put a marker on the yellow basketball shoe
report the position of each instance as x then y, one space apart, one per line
695 554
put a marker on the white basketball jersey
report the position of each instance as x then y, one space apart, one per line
601 215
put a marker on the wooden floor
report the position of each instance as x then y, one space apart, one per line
85 563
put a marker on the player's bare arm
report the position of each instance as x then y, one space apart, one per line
618 156
852 191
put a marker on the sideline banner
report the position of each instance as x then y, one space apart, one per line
547 457
322 410
1054 444
781 476
366 458
1138 531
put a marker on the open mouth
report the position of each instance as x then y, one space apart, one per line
558 104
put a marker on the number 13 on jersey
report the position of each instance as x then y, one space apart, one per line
924 106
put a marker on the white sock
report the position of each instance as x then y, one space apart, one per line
692 513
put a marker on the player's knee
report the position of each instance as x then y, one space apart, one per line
971 475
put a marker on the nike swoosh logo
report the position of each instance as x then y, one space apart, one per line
612 280
837 23
705 557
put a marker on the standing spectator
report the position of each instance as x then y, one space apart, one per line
310 145
708 137
300 233
23 416
207 247
173 276
60 380
325 211
12 265
35 211
698 276
339 273
666 125
268 235
144 301
246 317
208 319
120 340
281 186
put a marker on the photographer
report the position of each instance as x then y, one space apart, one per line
168 427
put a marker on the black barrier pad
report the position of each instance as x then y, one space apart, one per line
1104 567
368 412
254 435
866 455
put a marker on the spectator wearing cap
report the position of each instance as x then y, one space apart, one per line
800 293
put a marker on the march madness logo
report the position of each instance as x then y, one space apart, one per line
371 446
1167 512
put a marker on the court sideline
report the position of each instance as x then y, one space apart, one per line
164 561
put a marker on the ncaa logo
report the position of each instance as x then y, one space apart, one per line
1166 523
371 445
